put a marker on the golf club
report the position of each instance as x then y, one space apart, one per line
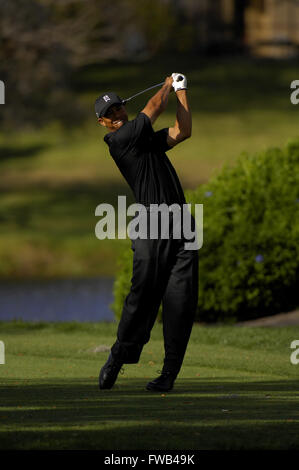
147 89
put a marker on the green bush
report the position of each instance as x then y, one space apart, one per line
122 281
249 262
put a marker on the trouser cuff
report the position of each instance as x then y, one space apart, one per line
172 367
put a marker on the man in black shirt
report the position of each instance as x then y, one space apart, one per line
163 270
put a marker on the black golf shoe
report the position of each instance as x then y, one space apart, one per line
163 383
109 373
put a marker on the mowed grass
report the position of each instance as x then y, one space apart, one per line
53 179
236 390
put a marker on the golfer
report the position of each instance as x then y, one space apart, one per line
163 270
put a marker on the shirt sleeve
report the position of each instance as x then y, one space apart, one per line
161 140
132 134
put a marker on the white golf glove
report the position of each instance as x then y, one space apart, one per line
179 81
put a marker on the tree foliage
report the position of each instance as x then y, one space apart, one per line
34 65
44 42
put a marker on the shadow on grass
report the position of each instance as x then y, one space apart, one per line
197 414
12 151
62 210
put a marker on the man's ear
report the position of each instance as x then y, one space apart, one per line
102 122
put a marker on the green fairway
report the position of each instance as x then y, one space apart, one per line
237 390
53 179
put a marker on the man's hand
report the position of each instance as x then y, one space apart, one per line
179 82
169 83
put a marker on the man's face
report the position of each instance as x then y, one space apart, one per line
114 118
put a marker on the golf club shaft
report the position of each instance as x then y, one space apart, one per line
150 88
143 91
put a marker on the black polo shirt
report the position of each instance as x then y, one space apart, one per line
139 153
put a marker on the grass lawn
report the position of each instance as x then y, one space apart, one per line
53 179
237 390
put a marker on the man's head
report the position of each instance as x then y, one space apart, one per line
110 111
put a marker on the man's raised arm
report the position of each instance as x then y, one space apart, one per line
157 104
183 124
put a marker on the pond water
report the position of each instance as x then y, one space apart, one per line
82 300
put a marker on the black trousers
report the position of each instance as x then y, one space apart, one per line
163 271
